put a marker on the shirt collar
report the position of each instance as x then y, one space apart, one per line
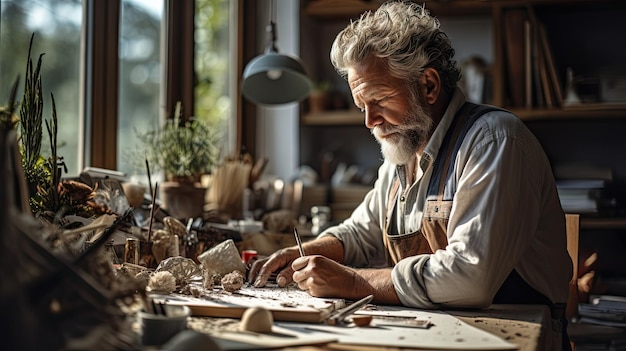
434 144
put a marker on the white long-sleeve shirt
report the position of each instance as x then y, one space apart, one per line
506 215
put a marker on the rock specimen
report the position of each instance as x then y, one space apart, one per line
222 259
233 281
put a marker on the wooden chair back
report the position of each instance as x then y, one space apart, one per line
572 227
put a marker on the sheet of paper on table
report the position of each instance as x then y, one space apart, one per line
447 332
298 321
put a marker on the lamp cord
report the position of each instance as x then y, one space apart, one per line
271 29
272 11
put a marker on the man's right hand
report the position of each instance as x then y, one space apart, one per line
279 262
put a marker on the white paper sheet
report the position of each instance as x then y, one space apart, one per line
447 332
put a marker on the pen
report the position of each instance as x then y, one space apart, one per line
298 241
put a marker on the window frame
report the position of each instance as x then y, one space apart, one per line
101 70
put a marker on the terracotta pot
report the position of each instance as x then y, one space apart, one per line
318 102
182 200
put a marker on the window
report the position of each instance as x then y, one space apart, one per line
125 37
56 25
139 78
213 53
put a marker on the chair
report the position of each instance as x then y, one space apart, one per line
579 332
572 228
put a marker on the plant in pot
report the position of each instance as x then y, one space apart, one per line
319 97
183 151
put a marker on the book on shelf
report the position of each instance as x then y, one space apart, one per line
546 79
604 310
585 195
528 65
532 76
513 23
543 77
581 184
555 83
609 301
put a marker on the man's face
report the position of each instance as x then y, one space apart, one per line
392 112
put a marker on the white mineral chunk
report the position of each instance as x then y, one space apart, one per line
222 259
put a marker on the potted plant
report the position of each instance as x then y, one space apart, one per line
183 151
319 97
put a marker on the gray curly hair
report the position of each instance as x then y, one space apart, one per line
406 36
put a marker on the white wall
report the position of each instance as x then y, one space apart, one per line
277 127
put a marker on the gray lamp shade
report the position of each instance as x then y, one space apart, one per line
273 79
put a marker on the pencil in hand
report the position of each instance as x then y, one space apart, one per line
298 241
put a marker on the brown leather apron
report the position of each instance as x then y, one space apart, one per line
433 233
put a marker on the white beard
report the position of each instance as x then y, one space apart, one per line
397 149
402 146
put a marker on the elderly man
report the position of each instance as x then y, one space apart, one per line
464 212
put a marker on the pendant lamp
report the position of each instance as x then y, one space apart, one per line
272 78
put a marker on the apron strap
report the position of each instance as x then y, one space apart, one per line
463 121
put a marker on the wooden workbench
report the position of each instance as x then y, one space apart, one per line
524 325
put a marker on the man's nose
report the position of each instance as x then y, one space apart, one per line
372 117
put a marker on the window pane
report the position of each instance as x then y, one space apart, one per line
56 25
213 54
140 78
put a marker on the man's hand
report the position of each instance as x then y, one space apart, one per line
323 277
279 261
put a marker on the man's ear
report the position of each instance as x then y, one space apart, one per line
431 85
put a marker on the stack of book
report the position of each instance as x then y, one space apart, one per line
609 310
585 189
584 196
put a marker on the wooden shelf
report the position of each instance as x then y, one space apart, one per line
615 111
345 9
603 223
354 117
334 118
338 9
352 9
